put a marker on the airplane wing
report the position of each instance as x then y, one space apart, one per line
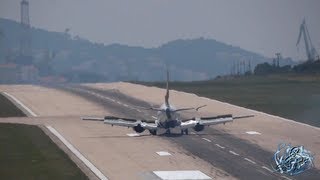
126 122
207 121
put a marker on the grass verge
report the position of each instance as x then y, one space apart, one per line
26 152
8 109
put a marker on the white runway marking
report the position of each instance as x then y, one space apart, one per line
21 104
249 160
113 100
267 169
133 134
163 153
126 105
77 153
253 132
138 110
206 139
286 177
234 153
154 117
119 102
179 175
220 146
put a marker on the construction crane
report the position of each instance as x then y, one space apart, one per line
310 50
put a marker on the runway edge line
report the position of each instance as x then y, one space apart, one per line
95 170
20 103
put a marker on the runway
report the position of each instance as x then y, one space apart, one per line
110 149
237 157
221 152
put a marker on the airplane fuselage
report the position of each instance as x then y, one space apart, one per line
168 118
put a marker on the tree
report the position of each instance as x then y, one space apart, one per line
263 69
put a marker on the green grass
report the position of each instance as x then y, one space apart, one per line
297 98
26 152
8 109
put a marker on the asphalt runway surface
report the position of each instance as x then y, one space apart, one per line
240 158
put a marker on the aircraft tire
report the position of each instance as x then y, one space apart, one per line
153 132
186 131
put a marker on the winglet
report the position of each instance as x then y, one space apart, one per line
197 109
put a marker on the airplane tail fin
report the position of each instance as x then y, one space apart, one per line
167 93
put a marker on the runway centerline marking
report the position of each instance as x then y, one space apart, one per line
249 160
253 133
21 104
133 134
95 170
264 167
220 146
126 105
234 153
286 177
206 139
163 153
138 110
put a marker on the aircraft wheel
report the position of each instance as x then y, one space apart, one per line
153 132
186 131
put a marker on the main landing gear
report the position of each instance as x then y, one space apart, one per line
186 131
153 132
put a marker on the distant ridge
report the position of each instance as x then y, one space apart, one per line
79 59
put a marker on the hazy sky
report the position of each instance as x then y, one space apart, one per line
262 26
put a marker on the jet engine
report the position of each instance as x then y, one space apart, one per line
198 127
138 128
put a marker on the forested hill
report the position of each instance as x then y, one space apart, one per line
76 58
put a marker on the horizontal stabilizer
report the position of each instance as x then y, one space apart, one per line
240 117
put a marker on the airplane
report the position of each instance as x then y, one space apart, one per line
167 118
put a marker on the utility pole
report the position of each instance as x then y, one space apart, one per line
238 67
1 39
278 59
25 36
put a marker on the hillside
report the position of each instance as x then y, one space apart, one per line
78 59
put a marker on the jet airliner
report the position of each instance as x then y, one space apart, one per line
167 118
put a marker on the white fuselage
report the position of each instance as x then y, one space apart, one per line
168 118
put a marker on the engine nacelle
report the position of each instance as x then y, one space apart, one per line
198 127
138 129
